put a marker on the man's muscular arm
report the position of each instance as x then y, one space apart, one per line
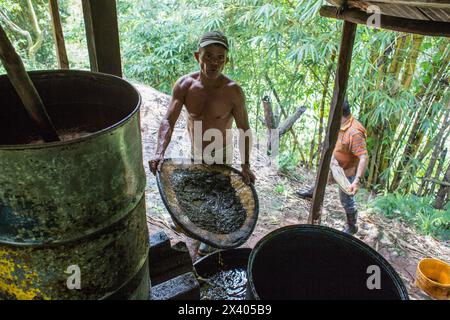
241 117
168 123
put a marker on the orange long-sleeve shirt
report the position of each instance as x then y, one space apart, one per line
351 144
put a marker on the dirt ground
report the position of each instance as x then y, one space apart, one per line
279 206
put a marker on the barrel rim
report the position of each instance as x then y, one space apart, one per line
224 254
403 292
65 73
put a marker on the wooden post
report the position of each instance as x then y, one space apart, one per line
102 33
25 89
58 35
334 120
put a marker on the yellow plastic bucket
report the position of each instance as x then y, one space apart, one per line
433 277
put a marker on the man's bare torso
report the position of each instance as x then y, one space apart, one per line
213 106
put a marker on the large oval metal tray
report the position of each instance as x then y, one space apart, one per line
246 194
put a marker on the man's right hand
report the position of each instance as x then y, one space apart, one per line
155 164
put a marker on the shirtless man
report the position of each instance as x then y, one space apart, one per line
211 99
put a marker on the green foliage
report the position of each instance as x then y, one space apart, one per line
417 211
20 14
291 44
286 41
280 188
287 161
157 44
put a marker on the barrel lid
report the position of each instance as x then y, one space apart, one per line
211 203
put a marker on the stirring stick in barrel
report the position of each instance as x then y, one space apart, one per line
25 89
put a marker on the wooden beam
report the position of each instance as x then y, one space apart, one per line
334 120
438 4
25 89
424 27
102 33
58 35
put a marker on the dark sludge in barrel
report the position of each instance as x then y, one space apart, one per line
72 213
315 262
223 274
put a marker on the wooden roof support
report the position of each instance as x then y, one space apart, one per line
436 4
424 27
102 33
58 35
334 120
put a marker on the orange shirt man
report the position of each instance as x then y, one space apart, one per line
350 153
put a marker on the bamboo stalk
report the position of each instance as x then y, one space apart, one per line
437 142
411 61
417 133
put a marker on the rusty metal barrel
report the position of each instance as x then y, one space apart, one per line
72 213
303 262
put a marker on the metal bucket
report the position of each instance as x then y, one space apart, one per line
72 213
303 262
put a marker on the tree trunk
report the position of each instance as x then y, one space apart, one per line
270 122
17 29
443 192
276 120
38 32
289 122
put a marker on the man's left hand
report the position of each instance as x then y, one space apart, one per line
354 187
247 174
